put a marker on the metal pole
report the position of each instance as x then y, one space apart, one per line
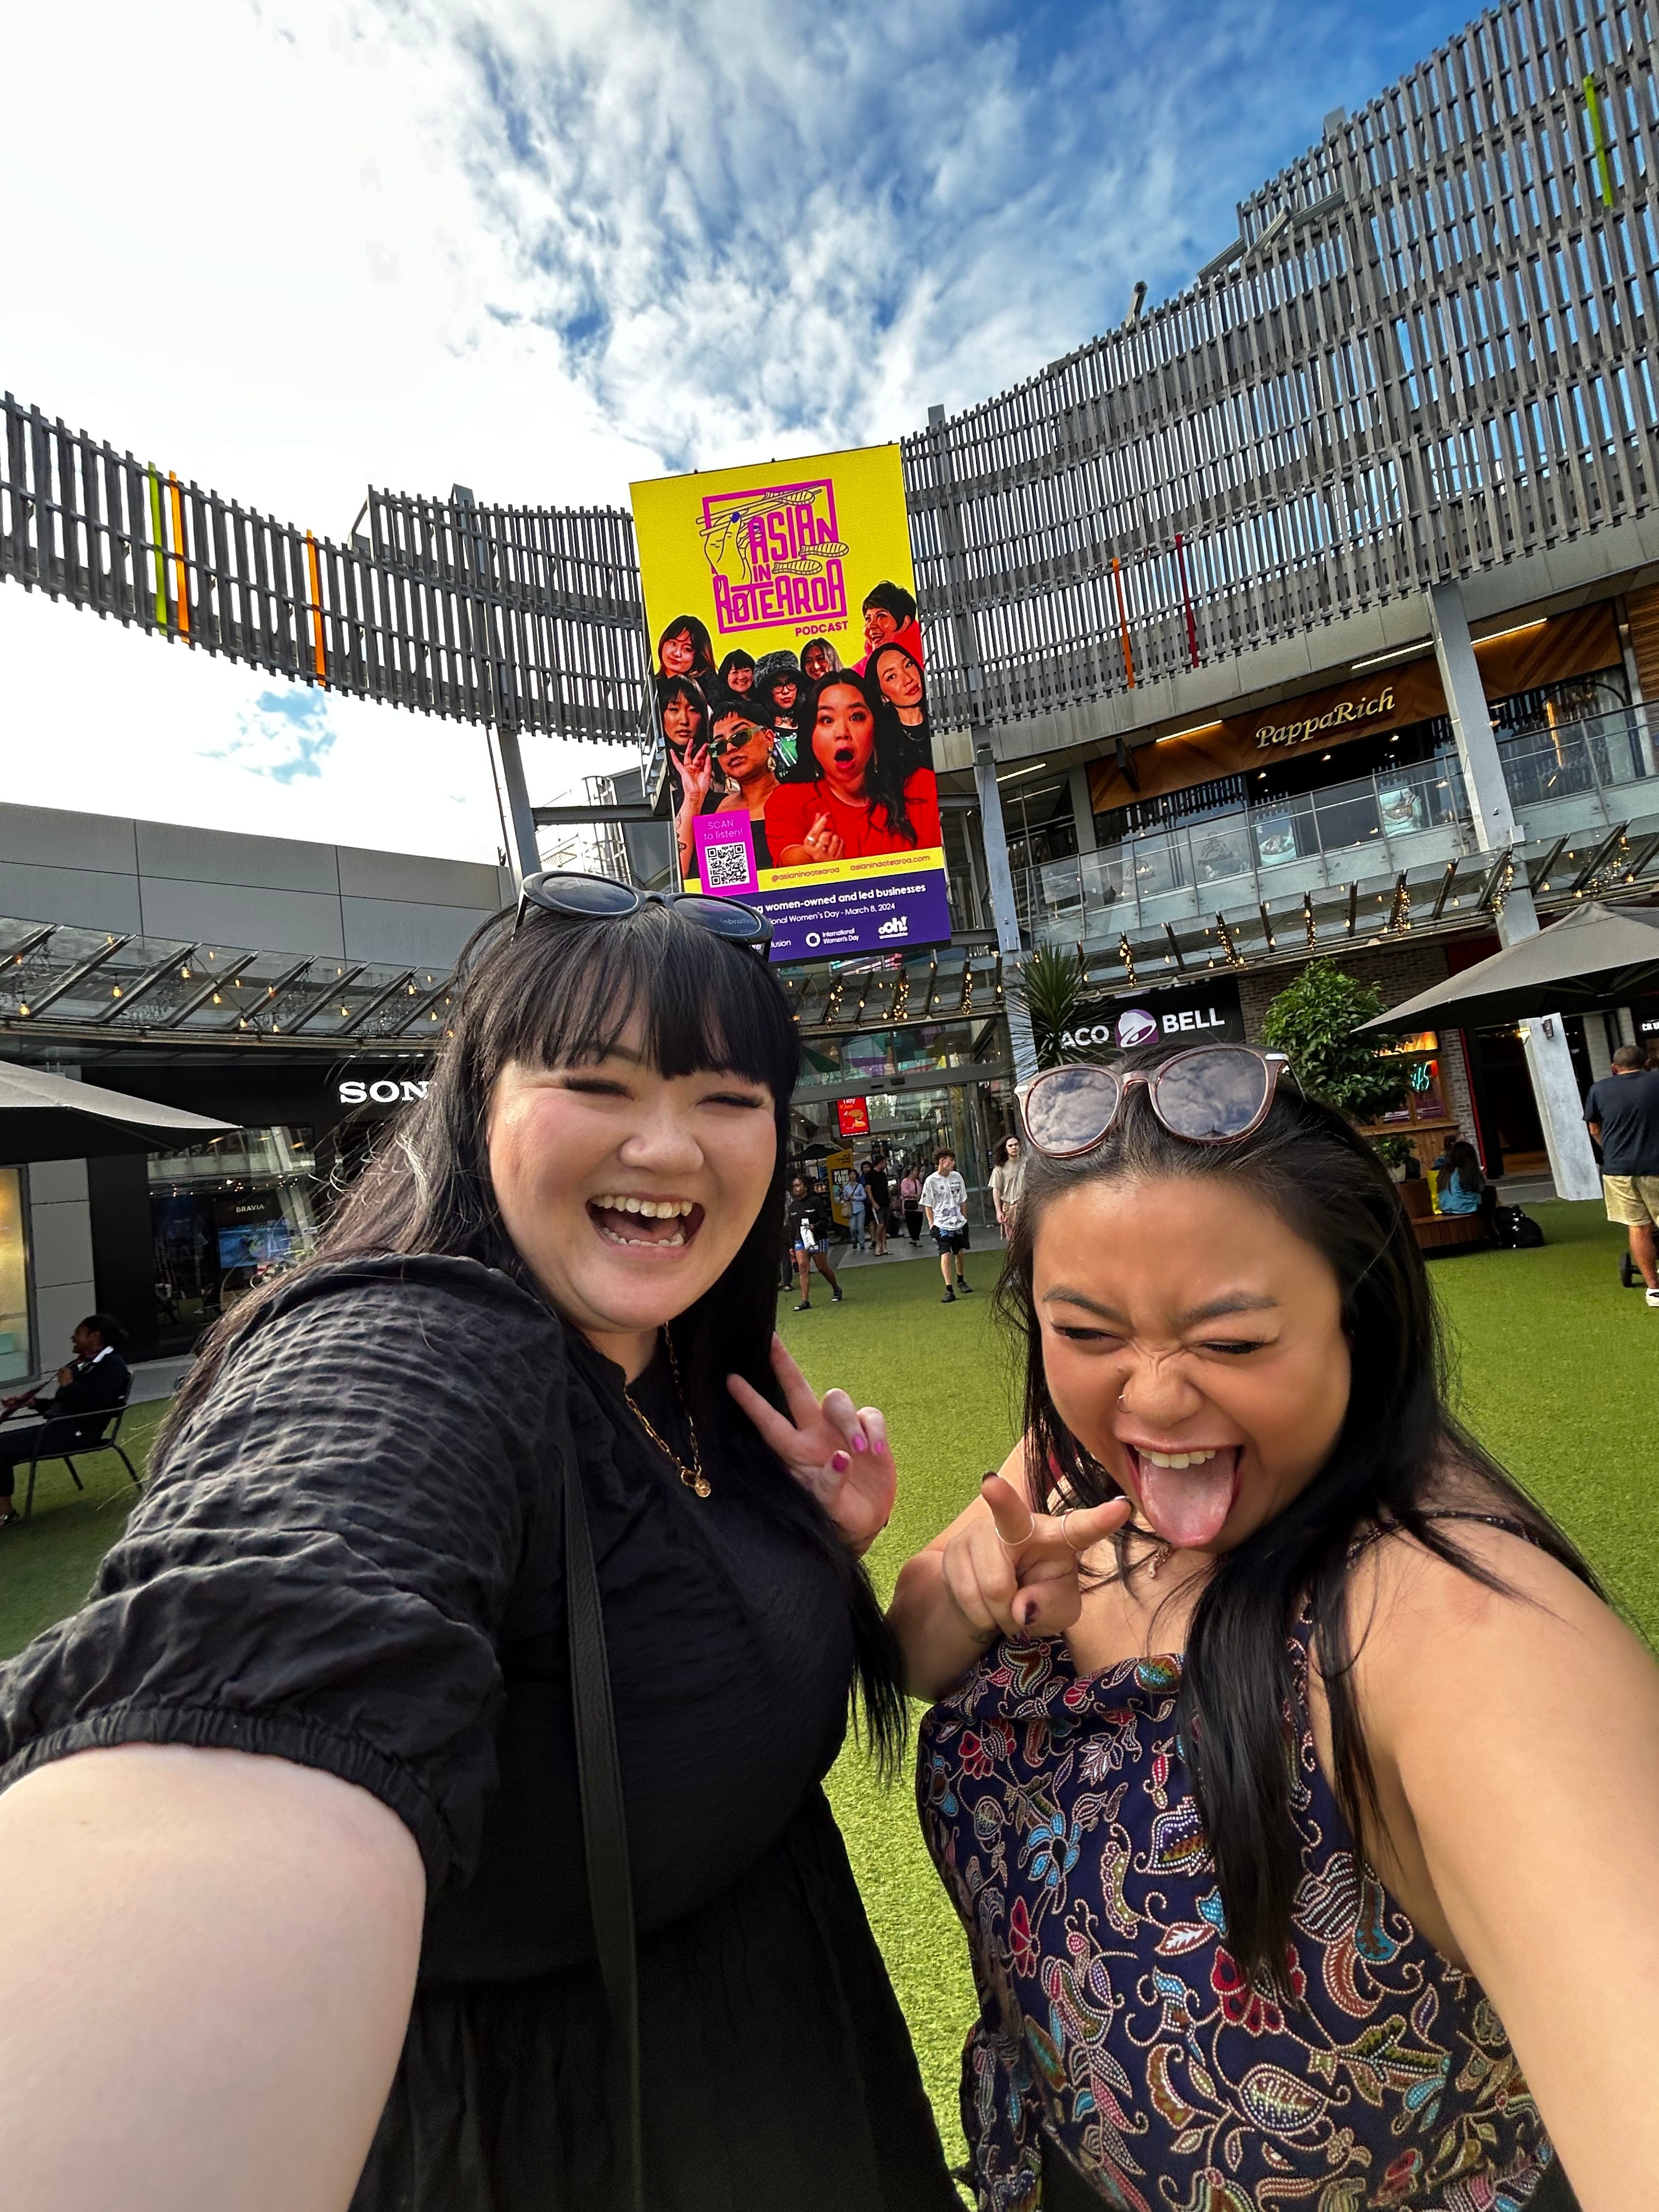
526 857
1003 913
1549 1061
994 837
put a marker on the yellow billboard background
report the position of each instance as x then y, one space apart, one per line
700 554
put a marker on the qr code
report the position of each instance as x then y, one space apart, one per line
723 865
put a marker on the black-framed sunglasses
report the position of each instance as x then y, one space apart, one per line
1213 1095
581 897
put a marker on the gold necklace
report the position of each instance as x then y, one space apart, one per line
693 1476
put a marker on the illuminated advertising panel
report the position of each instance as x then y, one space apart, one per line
789 689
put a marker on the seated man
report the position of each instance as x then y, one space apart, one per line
95 1382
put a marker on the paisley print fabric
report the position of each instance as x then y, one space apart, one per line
1112 2016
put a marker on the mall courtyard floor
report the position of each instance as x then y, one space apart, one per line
1558 1363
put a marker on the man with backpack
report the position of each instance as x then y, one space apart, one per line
1622 1111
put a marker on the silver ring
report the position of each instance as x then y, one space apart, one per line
1078 1548
1016 1541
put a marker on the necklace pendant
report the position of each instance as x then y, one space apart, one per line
698 1482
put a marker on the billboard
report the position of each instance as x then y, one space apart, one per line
789 689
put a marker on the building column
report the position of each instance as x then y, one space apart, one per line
1003 913
1597 1049
63 1276
1555 1087
1633 677
1083 808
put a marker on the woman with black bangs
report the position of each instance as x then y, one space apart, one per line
480 1559
1295 1786
778 686
856 790
737 673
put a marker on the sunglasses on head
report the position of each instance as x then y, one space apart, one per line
601 898
1213 1095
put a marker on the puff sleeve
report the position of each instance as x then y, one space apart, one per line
321 1570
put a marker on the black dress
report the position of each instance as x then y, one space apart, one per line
354 1561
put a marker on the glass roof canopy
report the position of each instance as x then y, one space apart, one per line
103 986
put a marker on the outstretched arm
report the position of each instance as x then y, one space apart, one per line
1517 1741
205 1974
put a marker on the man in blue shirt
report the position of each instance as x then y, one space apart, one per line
1622 1111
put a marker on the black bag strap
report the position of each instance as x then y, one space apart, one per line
604 1831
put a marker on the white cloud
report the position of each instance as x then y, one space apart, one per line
290 247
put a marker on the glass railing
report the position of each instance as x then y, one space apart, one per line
1370 829
1395 819
1595 762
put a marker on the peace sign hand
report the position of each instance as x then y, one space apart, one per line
1013 1572
837 1450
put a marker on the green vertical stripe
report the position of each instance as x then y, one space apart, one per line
1598 138
160 551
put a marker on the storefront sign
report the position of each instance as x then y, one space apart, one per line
853 1116
383 1091
1575 644
1347 717
789 695
1207 1015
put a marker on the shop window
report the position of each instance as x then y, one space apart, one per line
227 1216
1422 1113
16 1338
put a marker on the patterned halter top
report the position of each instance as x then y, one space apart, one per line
1114 2018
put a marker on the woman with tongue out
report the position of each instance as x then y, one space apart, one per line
435 1771
1298 1791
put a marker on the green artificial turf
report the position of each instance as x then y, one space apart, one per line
46 1566
1557 1365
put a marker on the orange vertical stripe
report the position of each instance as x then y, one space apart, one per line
1122 623
180 583
318 654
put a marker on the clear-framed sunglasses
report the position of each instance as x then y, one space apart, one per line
581 897
1213 1095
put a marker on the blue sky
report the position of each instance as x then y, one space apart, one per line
543 249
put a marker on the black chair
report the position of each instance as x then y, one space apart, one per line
57 1440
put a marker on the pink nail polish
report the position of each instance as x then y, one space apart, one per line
840 1462
859 1443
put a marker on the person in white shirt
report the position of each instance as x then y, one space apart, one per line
945 1203
1007 1181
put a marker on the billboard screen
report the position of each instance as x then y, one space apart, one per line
789 688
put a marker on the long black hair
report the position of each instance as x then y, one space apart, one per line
561 992
1398 1449
890 765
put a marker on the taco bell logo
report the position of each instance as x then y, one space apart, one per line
775 555
1135 1028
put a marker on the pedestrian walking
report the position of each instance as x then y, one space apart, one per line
945 1203
857 1203
805 1245
1007 1181
910 1204
880 1190
1622 1111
